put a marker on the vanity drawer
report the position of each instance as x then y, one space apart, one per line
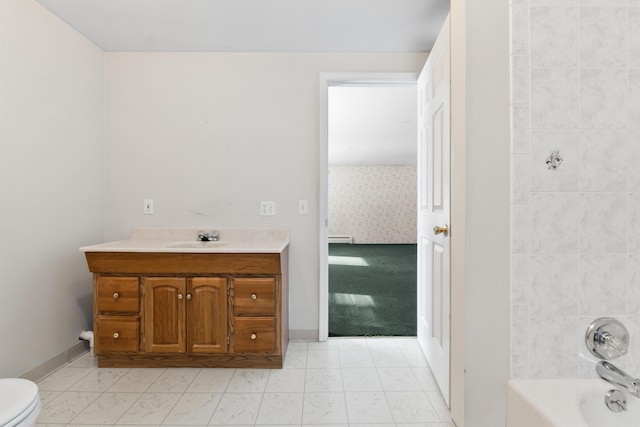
254 295
118 294
254 335
117 333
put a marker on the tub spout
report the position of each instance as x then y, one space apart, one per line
615 375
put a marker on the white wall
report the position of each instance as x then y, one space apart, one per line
480 156
373 204
51 182
210 135
576 232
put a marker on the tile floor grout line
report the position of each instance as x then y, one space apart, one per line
221 396
344 392
140 396
255 420
181 396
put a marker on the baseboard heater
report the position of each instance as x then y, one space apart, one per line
341 239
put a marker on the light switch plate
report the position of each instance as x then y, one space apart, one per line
148 207
303 207
268 208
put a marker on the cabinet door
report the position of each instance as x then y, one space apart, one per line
164 304
207 315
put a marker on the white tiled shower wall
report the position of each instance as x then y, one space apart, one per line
575 230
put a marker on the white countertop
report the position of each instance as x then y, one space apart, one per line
185 240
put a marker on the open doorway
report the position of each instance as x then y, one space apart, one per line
371 203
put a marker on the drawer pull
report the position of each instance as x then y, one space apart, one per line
116 335
254 336
116 295
254 297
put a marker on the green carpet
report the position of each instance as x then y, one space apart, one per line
372 290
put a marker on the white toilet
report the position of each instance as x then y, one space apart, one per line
19 402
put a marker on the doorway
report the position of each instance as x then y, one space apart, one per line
372 201
366 166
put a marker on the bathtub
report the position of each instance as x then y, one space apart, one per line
566 402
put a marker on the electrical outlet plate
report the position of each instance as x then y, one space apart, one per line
267 208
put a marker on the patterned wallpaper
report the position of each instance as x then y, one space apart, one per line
373 204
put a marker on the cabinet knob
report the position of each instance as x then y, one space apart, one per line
254 336
116 295
180 296
188 296
116 335
254 297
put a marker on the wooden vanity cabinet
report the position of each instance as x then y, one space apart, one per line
185 314
199 310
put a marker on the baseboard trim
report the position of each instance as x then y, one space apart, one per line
56 362
303 334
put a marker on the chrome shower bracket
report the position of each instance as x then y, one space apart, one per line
607 338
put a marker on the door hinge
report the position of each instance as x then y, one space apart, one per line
228 340
228 289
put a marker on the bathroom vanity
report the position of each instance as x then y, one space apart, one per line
163 298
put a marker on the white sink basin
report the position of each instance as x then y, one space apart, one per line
197 245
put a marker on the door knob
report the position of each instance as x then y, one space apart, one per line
180 296
441 230
188 296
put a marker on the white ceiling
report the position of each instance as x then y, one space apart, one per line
368 125
255 25
372 125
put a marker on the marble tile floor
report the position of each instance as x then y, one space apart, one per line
380 382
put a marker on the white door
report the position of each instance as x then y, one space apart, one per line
433 210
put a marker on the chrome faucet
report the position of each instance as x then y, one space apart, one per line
615 375
204 236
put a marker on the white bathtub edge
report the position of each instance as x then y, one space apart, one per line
546 402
